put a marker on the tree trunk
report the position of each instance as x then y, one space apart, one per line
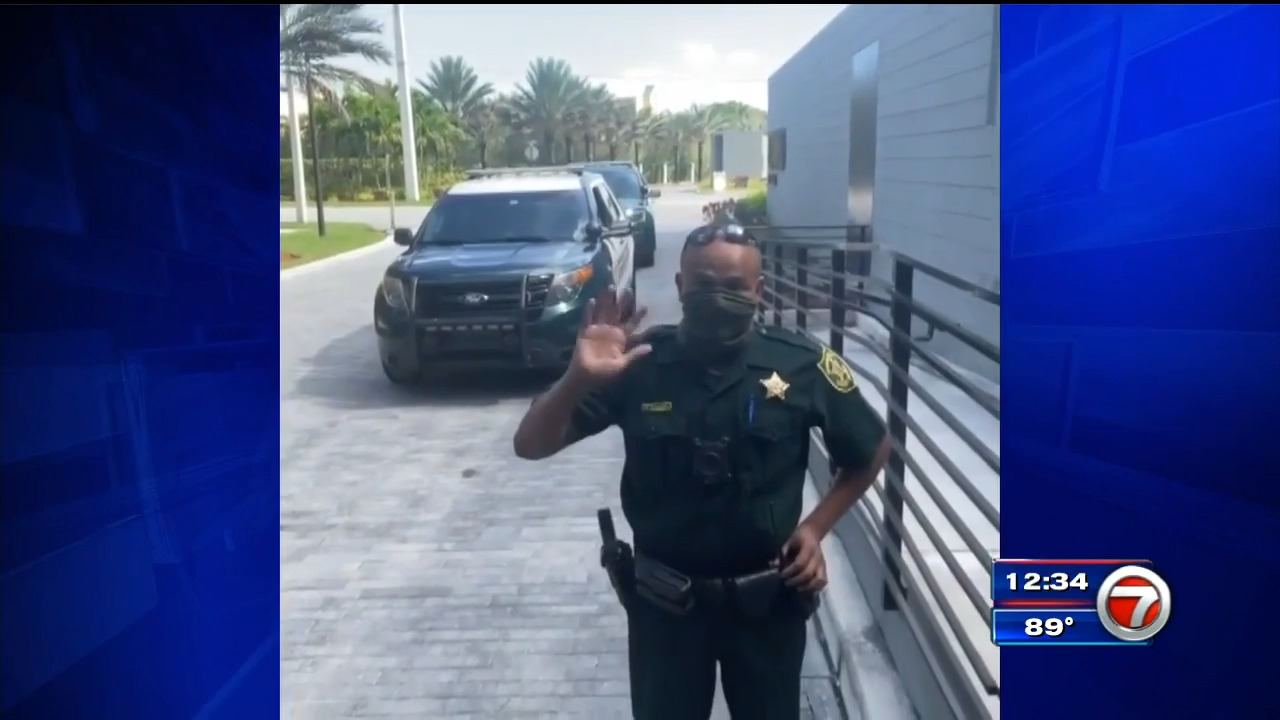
483 148
549 140
588 148
568 148
635 152
613 150
315 155
698 172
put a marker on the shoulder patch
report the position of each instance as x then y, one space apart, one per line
836 371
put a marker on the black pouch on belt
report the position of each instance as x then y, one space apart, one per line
668 589
755 595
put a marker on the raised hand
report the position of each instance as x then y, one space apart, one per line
607 344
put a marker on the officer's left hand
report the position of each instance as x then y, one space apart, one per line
804 567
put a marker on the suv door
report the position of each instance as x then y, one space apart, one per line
622 250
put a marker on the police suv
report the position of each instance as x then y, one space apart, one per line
500 272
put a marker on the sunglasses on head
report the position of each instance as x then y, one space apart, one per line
706 234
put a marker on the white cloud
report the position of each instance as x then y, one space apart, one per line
698 55
742 58
641 73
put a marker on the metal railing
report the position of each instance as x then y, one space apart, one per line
811 270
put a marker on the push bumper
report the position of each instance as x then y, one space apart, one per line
542 340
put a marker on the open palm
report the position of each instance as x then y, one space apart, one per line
606 342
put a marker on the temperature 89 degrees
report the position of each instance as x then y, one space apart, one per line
1048 627
1053 627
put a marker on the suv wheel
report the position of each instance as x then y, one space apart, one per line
399 377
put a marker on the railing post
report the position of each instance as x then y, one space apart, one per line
778 269
837 299
900 356
802 278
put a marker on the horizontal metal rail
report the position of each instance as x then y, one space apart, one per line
829 267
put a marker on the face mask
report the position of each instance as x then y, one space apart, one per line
716 321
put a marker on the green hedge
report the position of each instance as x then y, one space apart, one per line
753 209
356 179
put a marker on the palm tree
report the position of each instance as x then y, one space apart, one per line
544 101
312 36
438 133
482 124
455 85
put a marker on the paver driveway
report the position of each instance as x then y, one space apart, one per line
426 572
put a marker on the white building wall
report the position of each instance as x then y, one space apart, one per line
744 153
937 147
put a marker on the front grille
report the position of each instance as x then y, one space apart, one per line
486 298
535 295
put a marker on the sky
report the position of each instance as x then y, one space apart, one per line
689 53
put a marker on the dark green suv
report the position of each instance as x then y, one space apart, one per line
636 197
500 272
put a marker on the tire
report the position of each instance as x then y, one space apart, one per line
398 378
632 301
645 256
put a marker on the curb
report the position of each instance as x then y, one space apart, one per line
867 682
322 263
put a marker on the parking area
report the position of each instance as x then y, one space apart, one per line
426 571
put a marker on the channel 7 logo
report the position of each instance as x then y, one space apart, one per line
1134 604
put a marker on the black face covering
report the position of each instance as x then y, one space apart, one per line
716 322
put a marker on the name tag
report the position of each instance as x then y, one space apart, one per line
656 407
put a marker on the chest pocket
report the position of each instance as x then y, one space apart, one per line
659 451
775 441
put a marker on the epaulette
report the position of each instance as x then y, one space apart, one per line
791 337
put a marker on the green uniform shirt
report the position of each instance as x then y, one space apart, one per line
762 407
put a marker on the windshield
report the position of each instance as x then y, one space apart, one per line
555 215
622 180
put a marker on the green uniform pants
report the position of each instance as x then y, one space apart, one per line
673 664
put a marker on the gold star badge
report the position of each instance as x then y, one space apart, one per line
775 387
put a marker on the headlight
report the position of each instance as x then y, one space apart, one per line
635 214
568 285
393 292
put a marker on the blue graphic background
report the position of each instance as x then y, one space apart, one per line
1141 258
140 429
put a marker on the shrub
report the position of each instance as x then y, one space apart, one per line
753 209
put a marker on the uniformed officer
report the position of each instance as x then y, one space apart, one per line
715 413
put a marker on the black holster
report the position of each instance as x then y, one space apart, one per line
616 558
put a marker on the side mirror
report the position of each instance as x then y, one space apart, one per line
403 236
655 193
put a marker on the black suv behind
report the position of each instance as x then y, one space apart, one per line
636 197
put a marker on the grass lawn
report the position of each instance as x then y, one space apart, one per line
303 244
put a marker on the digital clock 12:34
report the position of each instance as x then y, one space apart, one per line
1051 582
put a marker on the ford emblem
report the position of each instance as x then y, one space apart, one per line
475 298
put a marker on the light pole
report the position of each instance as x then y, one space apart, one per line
406 112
